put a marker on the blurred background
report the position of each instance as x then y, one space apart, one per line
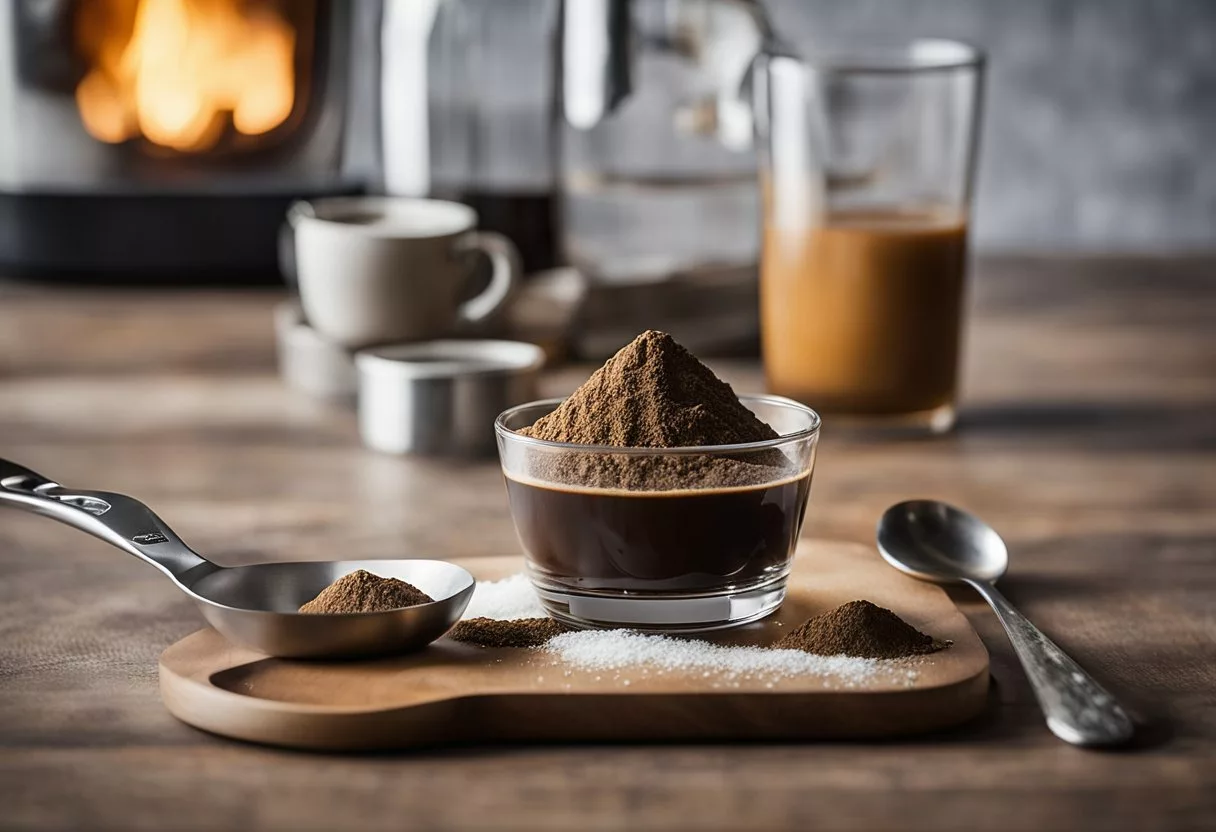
162 142
1099 120
1098 127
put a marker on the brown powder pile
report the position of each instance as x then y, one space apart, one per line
519 632
860 629
654 394
361 591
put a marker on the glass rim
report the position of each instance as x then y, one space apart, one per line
501 429
911 56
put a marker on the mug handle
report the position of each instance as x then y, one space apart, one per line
299 210
507 270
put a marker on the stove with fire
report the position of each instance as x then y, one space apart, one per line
164 139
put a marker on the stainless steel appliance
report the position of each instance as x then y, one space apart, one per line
164 139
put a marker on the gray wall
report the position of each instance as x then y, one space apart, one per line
1100 130
1100 126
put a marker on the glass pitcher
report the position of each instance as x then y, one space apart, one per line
657 172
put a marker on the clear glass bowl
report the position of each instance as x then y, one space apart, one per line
670 539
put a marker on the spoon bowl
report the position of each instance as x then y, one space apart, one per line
937 542
256 606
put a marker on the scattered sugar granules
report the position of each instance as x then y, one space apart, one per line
611 651
600 650
506 600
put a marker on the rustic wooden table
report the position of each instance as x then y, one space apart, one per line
1088 438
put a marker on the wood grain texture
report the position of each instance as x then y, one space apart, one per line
1087 438
453 693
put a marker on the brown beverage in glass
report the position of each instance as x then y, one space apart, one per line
862 313
866 165
659 541
668 539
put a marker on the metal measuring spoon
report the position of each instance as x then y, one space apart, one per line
938 542
257 605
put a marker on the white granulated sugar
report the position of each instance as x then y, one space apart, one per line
506 600
617 649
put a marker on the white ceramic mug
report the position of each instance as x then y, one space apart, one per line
376 270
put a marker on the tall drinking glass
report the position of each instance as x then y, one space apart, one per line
866 166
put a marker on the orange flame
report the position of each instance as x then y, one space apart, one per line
180 68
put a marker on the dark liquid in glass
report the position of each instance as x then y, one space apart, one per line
709 540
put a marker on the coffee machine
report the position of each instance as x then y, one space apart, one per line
162 140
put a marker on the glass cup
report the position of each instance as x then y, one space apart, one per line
866 171
679 539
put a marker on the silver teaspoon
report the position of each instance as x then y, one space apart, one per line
937 542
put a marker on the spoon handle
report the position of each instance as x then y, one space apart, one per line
123 522
1078 709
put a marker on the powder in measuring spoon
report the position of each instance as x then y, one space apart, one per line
361 591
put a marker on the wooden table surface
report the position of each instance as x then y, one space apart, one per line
1088 439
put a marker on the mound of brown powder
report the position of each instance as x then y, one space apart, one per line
654 394
860 629
361 591
519 632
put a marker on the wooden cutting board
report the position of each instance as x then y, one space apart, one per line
456 693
